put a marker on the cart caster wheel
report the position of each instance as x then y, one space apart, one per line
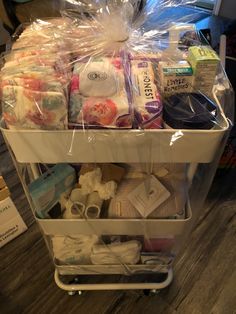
71 293
154 292
151 292
146 292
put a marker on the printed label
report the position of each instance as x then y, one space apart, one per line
97 76
148 86
175 77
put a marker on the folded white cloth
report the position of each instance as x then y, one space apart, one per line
73 249
116 253
91 181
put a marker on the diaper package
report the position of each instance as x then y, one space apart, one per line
36 75
35 79
20 110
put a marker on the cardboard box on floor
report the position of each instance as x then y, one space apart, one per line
11 223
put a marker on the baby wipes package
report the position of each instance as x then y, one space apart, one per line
98 95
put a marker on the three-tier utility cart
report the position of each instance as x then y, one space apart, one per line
198 149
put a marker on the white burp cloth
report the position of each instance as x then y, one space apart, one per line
99 79
91 181
116 253
74 249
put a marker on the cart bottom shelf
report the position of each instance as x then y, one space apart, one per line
151 281
112 269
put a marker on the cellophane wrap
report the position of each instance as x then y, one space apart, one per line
118 114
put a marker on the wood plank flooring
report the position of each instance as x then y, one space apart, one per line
204 274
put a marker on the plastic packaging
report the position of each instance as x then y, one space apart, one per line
115 89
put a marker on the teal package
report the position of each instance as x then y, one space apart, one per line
47 189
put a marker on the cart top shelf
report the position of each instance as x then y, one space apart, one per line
74 146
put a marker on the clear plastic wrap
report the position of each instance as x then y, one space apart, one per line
104 69
136 111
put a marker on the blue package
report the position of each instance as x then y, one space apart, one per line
47 189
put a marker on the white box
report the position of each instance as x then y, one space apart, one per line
11 223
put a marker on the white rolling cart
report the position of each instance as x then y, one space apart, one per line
131 146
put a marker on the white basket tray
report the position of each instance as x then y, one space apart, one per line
165 145
147 227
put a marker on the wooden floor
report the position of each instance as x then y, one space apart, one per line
204 275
